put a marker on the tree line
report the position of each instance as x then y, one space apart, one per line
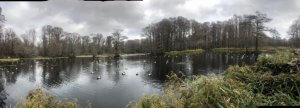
294 32
240 31
169 34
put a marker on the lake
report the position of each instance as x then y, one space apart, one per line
77 78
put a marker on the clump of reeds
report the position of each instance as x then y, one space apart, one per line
37 98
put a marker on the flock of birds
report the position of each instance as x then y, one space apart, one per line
123 73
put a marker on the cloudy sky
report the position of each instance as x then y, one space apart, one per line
102 17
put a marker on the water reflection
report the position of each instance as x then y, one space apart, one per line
122 80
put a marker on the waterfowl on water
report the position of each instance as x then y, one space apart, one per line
92 72
99 77
137 74
123 73
149 74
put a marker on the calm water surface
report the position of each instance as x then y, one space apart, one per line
77 78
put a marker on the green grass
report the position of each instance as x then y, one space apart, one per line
40 58
263 49
247 86
9 60
174 53
231 50
37 98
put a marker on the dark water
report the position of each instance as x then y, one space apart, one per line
77 78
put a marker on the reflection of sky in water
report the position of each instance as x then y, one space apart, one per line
67 78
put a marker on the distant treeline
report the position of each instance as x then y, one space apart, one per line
179 33
244 31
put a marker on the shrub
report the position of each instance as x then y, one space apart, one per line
38 99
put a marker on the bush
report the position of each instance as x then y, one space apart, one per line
39 99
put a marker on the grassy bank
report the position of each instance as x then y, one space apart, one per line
263 49
9 60
79 56
273 80
40 99
174 53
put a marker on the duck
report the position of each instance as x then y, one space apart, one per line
92 72
99 77
123 73
137 74
149 74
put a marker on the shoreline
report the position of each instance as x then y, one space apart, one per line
80 56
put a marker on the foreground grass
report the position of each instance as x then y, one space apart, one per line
263 49
40 99
271 81
174 53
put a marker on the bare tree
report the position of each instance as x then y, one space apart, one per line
259 20
294 32
118 38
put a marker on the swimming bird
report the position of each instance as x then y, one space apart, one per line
137 74
123 73
92 72
99 77
149 74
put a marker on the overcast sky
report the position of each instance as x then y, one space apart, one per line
102 17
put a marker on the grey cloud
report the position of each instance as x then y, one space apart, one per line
103 17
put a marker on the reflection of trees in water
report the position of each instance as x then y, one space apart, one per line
11 72
114 69
3 94
159 67
218 62
204 63
96 67
28 67
59 71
